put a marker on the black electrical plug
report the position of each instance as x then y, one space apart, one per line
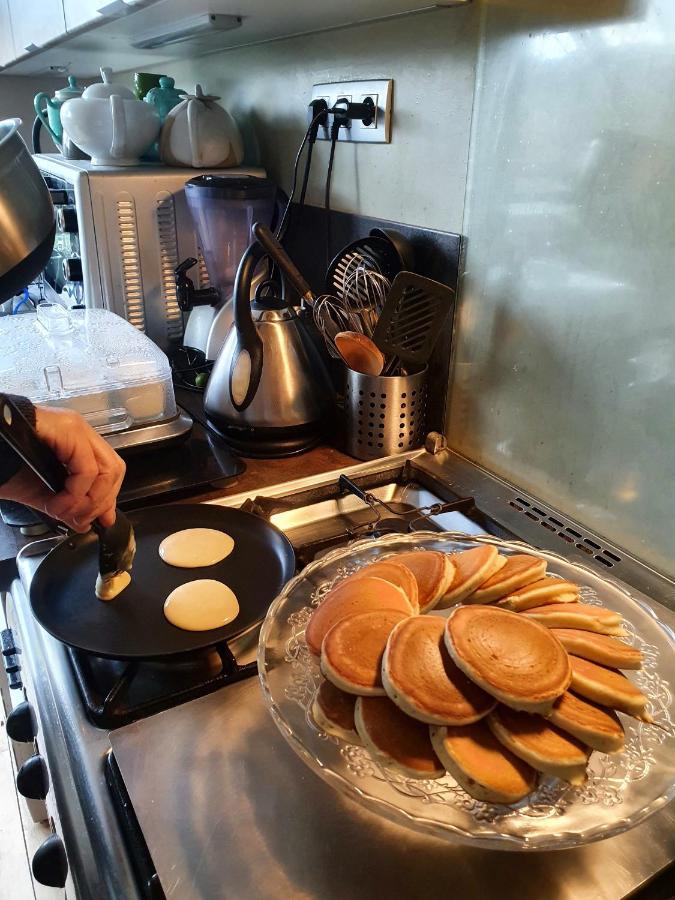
346 111
317 117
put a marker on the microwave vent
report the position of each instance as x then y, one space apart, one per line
168 253
132 280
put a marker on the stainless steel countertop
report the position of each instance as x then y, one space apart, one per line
231 811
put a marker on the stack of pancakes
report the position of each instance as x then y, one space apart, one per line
519 679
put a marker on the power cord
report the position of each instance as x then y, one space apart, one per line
338 122
320 109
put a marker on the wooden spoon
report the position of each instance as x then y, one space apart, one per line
359 353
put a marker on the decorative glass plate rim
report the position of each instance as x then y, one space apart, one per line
562 839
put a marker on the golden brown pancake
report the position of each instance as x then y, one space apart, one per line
433 572
537 742
472 568
348 598
546 590
351 653
393 572
599 648
513 658
481 765
421 679
333 712
596 726
518 571
577 615
395 740
607 687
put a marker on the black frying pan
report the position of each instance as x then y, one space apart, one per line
133 624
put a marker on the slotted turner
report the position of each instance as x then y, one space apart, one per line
411 320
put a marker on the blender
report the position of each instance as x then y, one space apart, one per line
224 208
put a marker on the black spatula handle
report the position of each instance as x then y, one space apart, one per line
22 438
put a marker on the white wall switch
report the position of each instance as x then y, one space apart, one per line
380 91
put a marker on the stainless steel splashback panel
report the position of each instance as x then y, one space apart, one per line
564 369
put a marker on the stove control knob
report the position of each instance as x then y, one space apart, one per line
66 219
72 269
50 863
21 723
32 779
15 682
59 197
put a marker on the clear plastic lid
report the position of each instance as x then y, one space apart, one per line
90 360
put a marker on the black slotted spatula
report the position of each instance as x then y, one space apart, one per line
411 320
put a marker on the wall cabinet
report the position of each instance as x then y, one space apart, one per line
36 23
7 53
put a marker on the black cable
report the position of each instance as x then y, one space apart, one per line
334 132
281 230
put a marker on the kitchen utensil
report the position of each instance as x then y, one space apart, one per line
26 212
411 320
330 317
274 249
622 789
133 624
223 209
376 253
269 393
116 544
110 124
401 244
384 415
359 353
48 109
201 134
365 292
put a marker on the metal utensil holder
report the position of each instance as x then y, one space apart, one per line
384 415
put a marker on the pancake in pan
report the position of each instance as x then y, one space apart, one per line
607 687
546 590
540 744
393 572
520 570
351 653
433 572
481 765
599 648
513 658
577 615
395 740
333 712
472 568
421 678
596 726
348 598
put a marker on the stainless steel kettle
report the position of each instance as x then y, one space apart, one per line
269 393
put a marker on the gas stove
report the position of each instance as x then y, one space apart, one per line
97 718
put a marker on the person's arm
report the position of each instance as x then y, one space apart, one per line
95 470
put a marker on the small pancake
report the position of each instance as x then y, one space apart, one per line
577 615
333 712
194 548
513 658
472 568
348 598
546 590
481 765
395 740
599 648
421 679
518 571
596 726
351 653
393 572
201 605
607 687
540 744
433 572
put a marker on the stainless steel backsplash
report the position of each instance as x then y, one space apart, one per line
564 361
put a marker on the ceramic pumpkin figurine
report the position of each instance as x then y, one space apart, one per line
201 134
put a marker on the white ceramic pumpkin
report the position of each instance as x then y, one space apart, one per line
199 133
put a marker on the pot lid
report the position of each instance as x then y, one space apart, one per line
69 92
104 89
232 187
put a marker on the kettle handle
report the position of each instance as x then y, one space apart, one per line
119 126
246 369
37 104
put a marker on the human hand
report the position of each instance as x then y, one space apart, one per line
95 472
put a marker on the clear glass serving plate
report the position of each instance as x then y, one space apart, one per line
621 790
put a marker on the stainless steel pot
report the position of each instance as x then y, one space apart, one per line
26 213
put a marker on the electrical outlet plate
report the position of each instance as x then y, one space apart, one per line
381 91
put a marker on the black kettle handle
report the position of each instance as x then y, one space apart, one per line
275 250
246 368
23 439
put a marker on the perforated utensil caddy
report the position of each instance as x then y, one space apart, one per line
384 415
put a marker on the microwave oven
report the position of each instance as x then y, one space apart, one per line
120 233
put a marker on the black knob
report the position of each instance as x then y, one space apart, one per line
59 197
15 682
50 863
32 779
21 723
72 269
66 219
12 664
7 642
